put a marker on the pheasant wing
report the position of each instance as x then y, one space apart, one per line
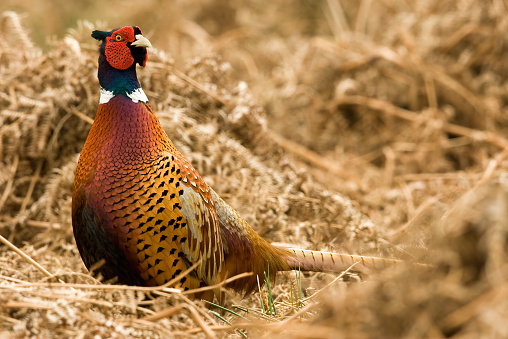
204 244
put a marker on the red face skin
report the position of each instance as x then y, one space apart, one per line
117 52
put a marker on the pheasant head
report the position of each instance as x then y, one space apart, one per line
120 51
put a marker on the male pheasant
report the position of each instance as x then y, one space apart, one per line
142 208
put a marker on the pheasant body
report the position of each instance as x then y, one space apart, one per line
140 206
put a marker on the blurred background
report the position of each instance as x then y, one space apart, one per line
172 22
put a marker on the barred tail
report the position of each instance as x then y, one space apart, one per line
307 260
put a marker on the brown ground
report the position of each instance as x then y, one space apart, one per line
376 128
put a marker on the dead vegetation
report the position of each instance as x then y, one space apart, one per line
374 128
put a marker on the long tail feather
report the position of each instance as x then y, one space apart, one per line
307 260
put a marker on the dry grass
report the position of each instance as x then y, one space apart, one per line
375 128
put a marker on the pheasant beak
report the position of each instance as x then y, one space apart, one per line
141 41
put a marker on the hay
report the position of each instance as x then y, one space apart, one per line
376 128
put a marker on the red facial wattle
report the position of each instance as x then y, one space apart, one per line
117 51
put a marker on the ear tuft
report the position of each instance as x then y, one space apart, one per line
100 35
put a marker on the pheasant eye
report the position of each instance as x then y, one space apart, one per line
118 37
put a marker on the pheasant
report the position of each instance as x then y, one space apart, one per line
140 207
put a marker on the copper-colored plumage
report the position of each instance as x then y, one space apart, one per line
140 206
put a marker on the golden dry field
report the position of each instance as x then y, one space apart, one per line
364 127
